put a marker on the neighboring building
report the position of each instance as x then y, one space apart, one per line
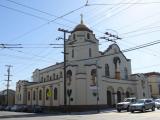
11 97
154 83
87 68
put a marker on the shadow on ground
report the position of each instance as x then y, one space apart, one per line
27 115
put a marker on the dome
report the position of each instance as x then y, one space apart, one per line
81 27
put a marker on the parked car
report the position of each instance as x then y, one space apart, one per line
24 108
125 104
143 105
157 103
16 108
8 108
34 109
2 107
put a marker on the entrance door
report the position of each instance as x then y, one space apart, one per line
127 94
109 98
118 96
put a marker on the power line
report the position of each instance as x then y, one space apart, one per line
32 15
42 25
116 13
144 33
38 10
122 3
25 13
123 51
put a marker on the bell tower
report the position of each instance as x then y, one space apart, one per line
82 43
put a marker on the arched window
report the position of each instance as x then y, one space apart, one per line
74 36
90 52
55 94
47 77
41 79
125 73
20 97
29 95
40 95
61 75
50 78
69 77
44 79
47 91
93 77
117 62
34 95
72 53
88 36
54 76
107 73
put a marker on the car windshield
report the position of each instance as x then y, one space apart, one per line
140 101
157 100
127 100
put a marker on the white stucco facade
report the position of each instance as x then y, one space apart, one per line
91 74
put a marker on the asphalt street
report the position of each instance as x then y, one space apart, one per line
92 115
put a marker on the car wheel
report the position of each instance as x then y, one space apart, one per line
157 107
132 111
153 108
119 110
128 109
143 110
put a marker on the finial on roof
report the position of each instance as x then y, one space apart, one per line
81 18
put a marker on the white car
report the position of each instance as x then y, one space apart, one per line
157 103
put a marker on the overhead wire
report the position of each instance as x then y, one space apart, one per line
116 13
38 10
42 25
123 3
123 51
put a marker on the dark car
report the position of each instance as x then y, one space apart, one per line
34 109
125 104
143 105
8 108
2 107
16 108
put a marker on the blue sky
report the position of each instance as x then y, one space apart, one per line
117 19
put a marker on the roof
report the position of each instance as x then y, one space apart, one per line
81 27
4 92
152 73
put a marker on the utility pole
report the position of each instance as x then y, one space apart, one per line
8 81
97 84
64 40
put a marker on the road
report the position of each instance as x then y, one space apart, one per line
103 115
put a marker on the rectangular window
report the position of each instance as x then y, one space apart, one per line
90 52
72 53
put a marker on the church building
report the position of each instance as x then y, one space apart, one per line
93 78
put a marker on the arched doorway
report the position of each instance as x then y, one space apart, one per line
109 98
118 96
127 94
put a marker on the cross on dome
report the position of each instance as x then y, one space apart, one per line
81 18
